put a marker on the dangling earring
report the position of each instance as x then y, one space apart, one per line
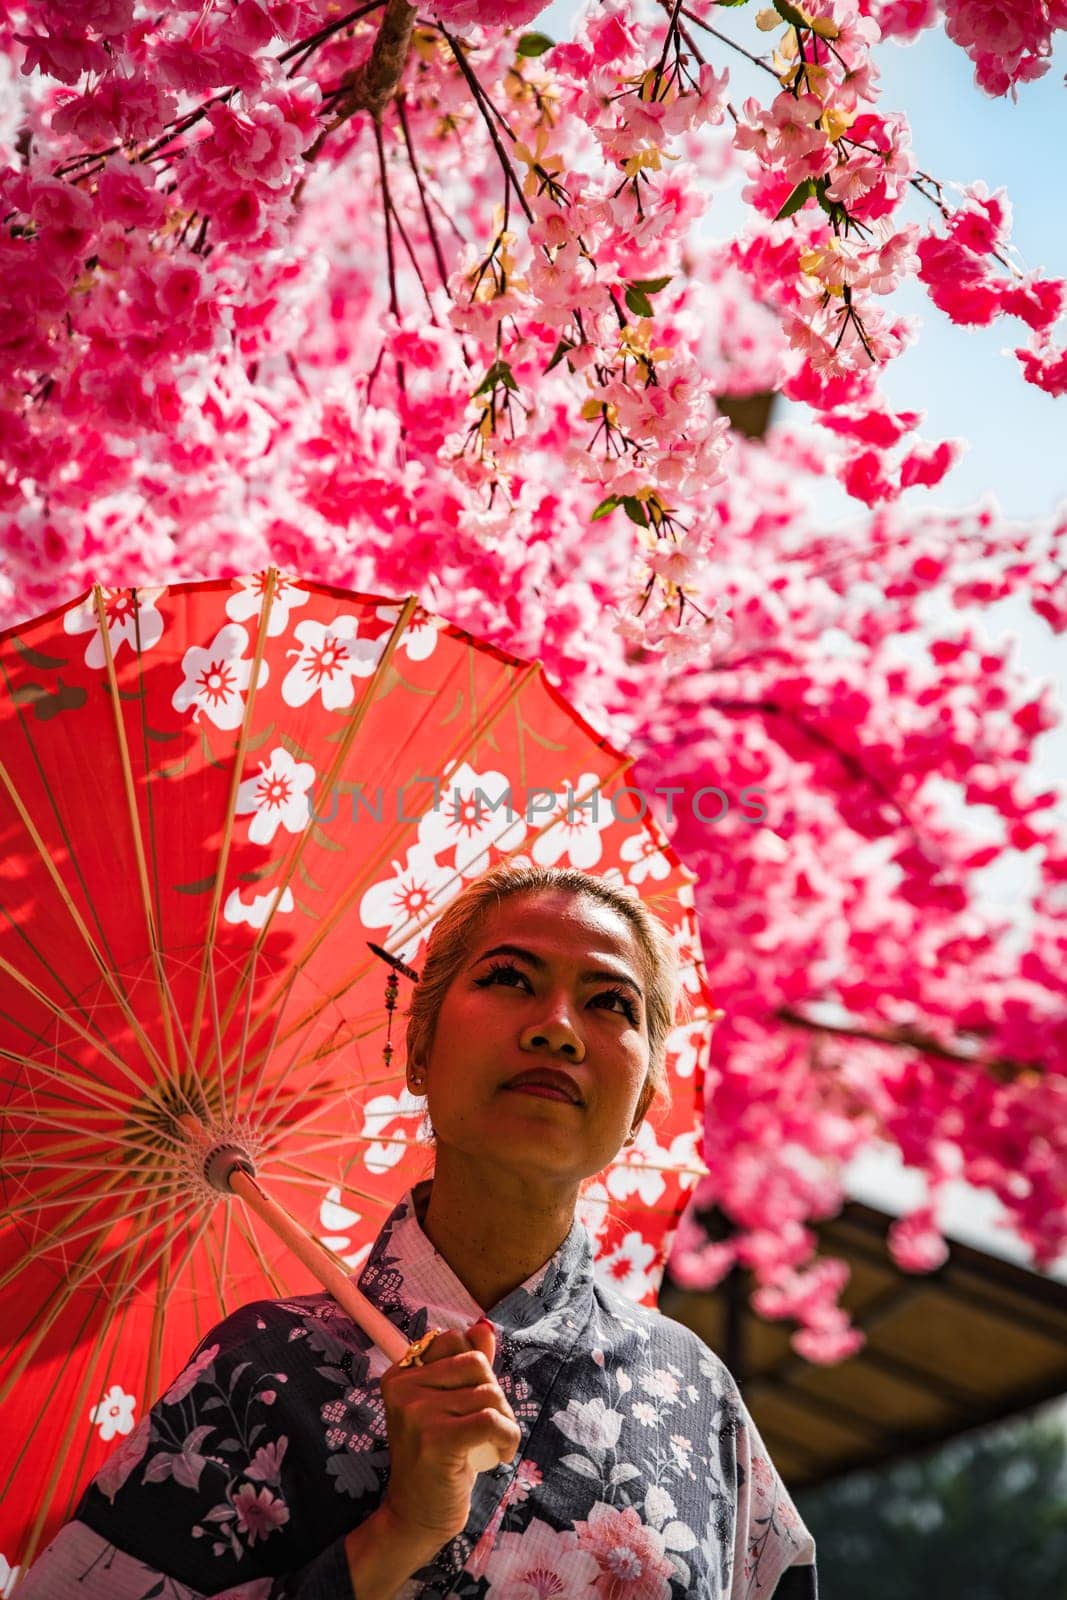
392 987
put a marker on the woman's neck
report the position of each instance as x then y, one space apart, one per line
494 1230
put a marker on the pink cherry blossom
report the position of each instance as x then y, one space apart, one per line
539 1563
631 1558
509 395
259 1513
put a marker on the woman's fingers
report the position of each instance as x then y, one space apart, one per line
456 1387
453 1372
450 1343
484 1427
463 1402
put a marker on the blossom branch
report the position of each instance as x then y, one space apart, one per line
907 1037
299 52
929 187
371 85
489 115
94 160
431 230
848 760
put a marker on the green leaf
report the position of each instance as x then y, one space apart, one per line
202 886
205 749
306 877
605 508
26 693
176 768
499 372
297 751
256 740
257 873
790 14
159 735
322 838
650 285
535 44
37 658
124 694
638 302
833 208
635 510
562 349
800 197
67 699
46 703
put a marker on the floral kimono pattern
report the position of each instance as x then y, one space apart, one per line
640 1475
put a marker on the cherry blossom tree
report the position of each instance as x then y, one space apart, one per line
425 302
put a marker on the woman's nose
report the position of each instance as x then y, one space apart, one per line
556 1034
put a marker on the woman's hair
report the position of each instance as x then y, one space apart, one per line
453 935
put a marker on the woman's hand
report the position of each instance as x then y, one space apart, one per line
435 1415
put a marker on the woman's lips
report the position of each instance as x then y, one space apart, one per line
543 1090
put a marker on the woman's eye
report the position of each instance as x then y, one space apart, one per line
505 972
623 1003
512 977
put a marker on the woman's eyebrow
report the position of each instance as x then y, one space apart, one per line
596 975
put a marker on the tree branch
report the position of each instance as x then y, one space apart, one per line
372 85
909 1038
850 762
489 113
435 243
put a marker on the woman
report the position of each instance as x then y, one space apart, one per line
286 1464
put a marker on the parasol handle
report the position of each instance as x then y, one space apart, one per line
320 1263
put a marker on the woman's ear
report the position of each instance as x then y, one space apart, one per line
644 1100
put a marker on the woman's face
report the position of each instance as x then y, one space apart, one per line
540 1054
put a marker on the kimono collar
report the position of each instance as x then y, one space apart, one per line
415 1286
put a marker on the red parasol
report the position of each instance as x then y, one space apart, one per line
213 799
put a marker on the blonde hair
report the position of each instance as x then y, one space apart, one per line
453 934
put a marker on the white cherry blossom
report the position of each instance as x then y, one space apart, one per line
237 910
130 616
247 601
686 1048
419 638
569 832
379 1116
474 812
335 1218
278 795
330 657
592 1209
114 1413
216 679
642 1171
647 860
403 903
632 1268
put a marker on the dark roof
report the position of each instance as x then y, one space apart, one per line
976 1341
